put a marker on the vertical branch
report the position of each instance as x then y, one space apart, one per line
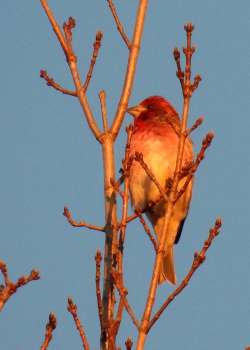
131 67
72 308
187 93
50 327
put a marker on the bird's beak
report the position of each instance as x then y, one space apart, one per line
135 111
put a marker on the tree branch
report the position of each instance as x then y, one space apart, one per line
117 277
81 223
102 97
199 258
9 287
118 23
131 67
98 260
50 327
147 230
96 47
206 142
167 238
56 86
72 308
66 44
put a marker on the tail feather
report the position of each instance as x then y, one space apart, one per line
167 269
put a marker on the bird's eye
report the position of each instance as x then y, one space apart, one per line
150 106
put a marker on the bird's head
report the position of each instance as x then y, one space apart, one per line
151 108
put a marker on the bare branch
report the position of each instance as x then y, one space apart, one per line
118 23
56 86
199 258
98 260
50 327
131 67
9 287
72 308
81 223
167 238
196 124
129 344
147 230
139 159
102 97
96 47
66 43
117 277
200 156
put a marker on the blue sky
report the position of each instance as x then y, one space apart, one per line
50 159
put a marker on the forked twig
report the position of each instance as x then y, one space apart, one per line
9 287
199 258
74 223
72 308
118 23
66 44
50 327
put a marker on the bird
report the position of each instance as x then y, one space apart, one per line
156 133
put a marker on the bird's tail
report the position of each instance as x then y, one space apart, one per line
167 269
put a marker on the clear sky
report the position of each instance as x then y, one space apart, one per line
49 159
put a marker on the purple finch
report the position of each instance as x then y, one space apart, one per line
156 137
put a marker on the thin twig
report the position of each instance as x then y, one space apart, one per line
127 163
196 124
72 308
199 258
96 47
74 223
128 344
102 97
206 142
98 260
56 86
50 327
9 287
139 158
147 230
117 277
118 23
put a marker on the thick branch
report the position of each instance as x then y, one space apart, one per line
72 308
81 223
9 287
131 67
118 23
50 327
199 258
